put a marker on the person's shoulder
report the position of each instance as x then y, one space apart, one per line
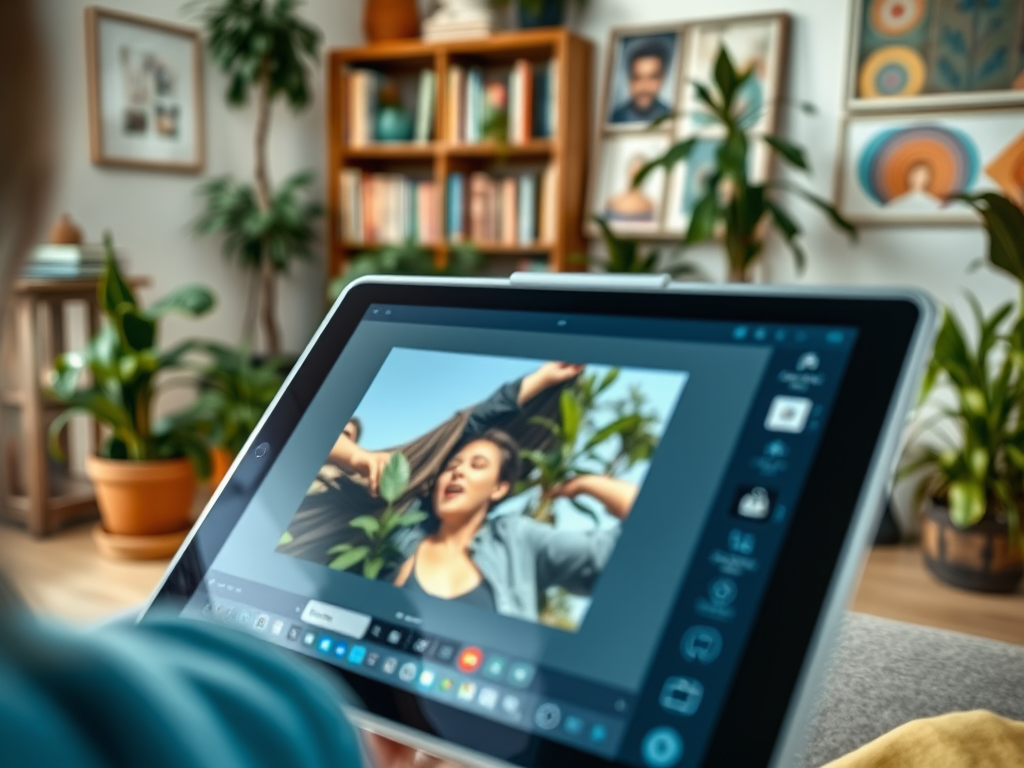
622 113
506 525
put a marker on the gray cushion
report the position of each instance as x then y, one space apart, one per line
886 673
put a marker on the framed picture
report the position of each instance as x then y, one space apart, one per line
641 85
901 169
916 54
649 76
145 92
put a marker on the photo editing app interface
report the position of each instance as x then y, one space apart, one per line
560 523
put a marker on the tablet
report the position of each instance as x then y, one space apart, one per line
566 520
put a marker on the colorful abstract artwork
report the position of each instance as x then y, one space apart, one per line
945 52
904 169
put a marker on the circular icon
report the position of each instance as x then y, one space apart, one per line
547 716
894 70
261 450
407 673
896 17
662 747
722 591
701 644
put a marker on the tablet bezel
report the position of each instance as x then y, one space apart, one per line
893 335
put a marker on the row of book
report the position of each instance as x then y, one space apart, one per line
507 210
389 208
517 104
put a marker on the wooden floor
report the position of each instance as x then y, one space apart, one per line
64 576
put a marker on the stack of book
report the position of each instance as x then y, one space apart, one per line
507 210
527 93
65 261
362 88
388 208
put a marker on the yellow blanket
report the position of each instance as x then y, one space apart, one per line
976 739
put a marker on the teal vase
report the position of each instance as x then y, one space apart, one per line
394 124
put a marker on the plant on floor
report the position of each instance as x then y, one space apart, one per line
625 257
265 50
408 259
733 207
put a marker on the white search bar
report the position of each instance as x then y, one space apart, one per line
340 620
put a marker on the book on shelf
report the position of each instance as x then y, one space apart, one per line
363 88
54 254
494 210
388 208
426 100
527 92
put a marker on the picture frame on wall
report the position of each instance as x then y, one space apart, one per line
649 77
907 55
145 92
902 168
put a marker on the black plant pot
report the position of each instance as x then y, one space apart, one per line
550 14
979 558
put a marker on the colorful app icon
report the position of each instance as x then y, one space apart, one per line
447 685
467 691
309 638
357 654
324 644
470 659
427 678
339 650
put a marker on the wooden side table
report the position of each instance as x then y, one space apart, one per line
37 494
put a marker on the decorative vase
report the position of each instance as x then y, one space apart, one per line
978 558
390 20
142 498
64 232
550 14
394 124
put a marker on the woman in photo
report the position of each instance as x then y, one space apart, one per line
506 563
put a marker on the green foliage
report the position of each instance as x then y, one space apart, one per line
283 232
254 39
408 259
114 378
377 552
1005 224
732 207
236 392
624 257
534 6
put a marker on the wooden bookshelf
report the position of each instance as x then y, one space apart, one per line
563 155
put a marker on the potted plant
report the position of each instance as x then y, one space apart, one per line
973 483
145 470
265 49
625 257
540 13
732 208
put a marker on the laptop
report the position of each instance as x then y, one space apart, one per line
558 519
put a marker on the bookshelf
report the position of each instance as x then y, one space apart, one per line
549 145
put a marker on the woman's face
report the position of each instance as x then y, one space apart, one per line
470 481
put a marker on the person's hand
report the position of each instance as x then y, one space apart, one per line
390 754
572 487
370 464
554 373
616 495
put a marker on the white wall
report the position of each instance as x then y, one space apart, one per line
150 212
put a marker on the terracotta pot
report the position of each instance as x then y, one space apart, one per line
390 20
220 461
139 498
978 558
64 231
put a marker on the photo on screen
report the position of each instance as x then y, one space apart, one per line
498 482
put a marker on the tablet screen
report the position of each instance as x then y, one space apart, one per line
559 524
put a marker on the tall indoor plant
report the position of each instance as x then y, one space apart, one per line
266 51
733 207
145 470
973 482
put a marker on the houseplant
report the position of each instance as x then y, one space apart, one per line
733 208
540 13
407 259
145 470
266 51
973 484
625 257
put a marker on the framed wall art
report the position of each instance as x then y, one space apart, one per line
935 54
649 76
901 169
145 92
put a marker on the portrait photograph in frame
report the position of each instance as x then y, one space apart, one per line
145 92
630 210
642 77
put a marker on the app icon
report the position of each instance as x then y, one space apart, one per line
741 542
277 627
681 695
294 632
324 644
407 672
520 674
394 637
376 630
445 652
243 617
776 449
421 645
662 747
808 362
427 678
598 733
372 659
261 622
788 414
761 334
339 650
467 691
740 332
390 665
470 659
446 685
754 502
494 667
722 591
309 638
511 706
488 698
574 725
357 654
701 644
547 716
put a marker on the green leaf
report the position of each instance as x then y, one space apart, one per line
411 518
337 549
677 153
572 414
139 331
823 205
966 503
793 154
616 427
705 217
349 559
790 231
394 479
725 75
372 567
367 523
112 289
1004 222
189 300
